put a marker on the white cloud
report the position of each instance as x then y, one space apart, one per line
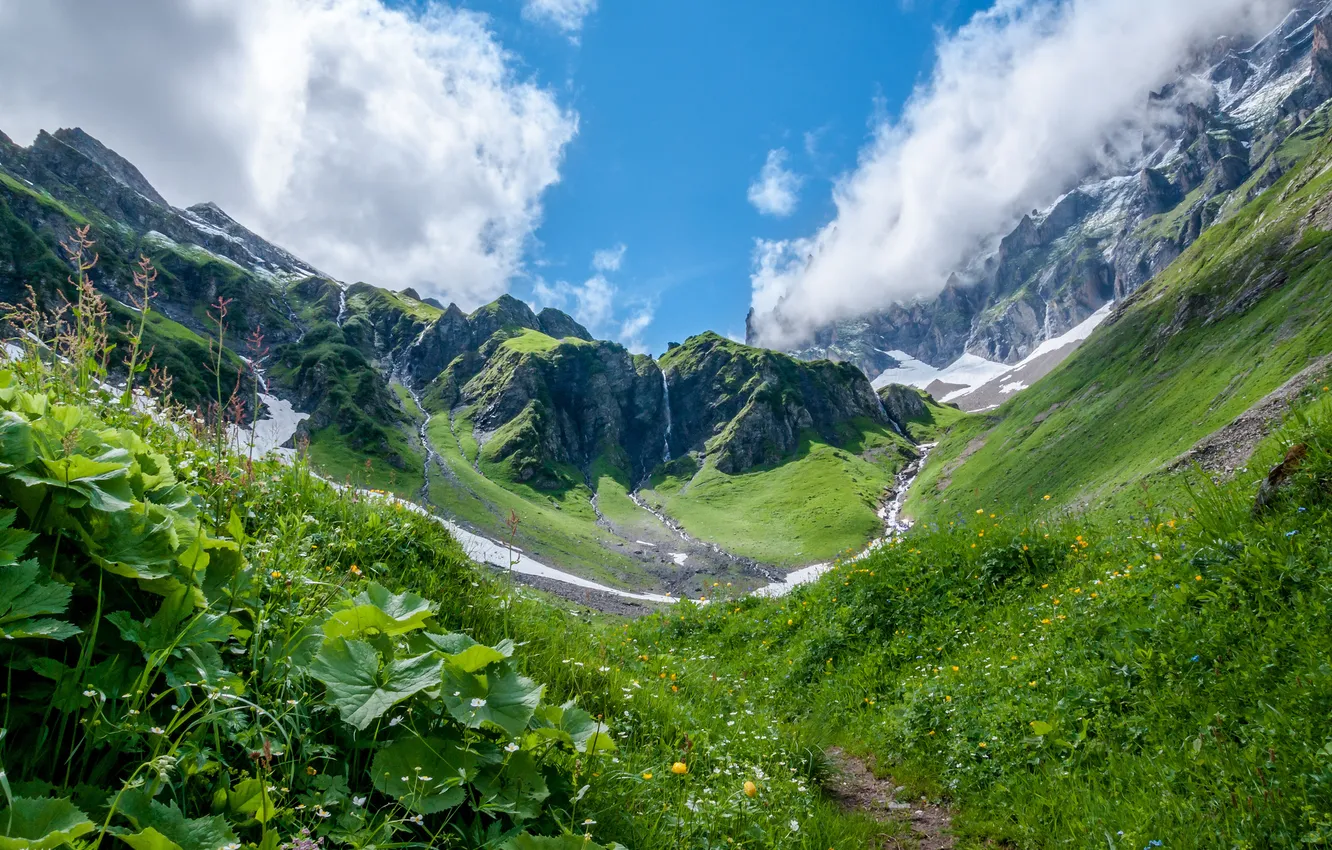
378 145
777 188
567 15
596 302
1023 101
591 302
631 329
609 260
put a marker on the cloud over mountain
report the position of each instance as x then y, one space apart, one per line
775 191
1023 101
395 148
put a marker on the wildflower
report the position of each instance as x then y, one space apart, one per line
477 702
955 668
157 730
795 825
647 776
751 790
275 574
511 747
679 768
310 770
983 745
358 801
1197 578
355 570
1046 497
948 699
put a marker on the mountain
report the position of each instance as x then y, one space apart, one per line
1198 365
611 462
1243 114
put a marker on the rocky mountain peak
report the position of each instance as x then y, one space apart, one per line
558 324
117 167
1235 107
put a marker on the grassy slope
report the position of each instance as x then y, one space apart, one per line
1152 382
1090 682
810 508
307 546
556 527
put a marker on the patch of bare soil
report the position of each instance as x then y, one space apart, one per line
856 789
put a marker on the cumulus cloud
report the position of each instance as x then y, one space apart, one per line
566 15
591 302
1023 101
777 188
631 329
609 259
596 302
397 148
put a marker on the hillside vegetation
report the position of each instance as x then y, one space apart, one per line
1230 321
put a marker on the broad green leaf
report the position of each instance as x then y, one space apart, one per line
362 688
13 542
1040 727
426 775
514 788
135 544
573 727
150 839
41 823
24 602
248 799
501 697
208 833
377 610
476 658
16 446
103 484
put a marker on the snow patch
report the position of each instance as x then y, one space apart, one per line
968 371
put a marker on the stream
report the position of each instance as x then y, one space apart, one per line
271 432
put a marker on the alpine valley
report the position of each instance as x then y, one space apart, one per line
616 466
392 573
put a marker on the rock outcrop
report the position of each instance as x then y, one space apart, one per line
742 407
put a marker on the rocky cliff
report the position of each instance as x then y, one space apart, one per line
741 407
544 402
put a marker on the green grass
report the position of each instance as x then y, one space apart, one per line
1181 361
529 341
42 198
365 298
811 508
330 454
937 421
555 527
1091 681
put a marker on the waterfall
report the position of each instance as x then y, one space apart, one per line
666 400
342 305
1047 331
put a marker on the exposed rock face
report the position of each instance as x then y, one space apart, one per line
570 404
559 325
546 400
1122 226
744 407
903 404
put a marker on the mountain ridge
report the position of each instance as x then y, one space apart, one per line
1111 233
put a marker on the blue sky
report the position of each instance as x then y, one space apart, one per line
679 104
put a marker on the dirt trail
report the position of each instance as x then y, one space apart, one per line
856 789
